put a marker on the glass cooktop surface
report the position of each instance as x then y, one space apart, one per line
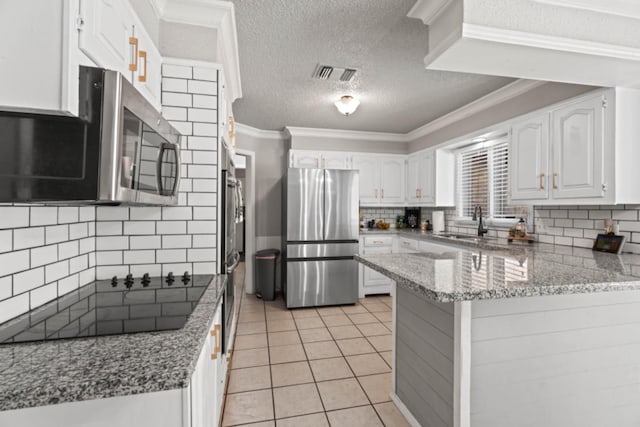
110 307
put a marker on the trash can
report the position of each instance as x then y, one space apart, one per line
265 273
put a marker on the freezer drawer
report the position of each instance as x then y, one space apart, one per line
321 282
321 250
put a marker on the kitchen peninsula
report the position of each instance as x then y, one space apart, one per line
491 335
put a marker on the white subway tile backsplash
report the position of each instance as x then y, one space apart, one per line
205 212
178 71
69 249
204 240
87 213
140 257
175 113
12 307
170 84
56 271
573 232
146 214
172 99
78 231
108 271
109 258
44 255
28 237
164 256
68 284
138 270
178 241
110 243
205 185
201 255
79 263
205 129
6 287
13 217
629 226
68 214
583 223
627 215
599 214
202 87
202 157
14 262
202 199
204 268
202 143
145 242
139 227
109 228
56 234
28 280
202 115
205 73
6 240
202 171
185 128
112 213
171 227
87 245
578 214
87 275
176 268
201 227
177 213
43 215
205 101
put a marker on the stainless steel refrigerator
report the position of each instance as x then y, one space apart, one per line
321 237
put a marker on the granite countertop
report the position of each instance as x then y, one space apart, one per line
492 269
51 372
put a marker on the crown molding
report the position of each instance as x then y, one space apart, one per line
492 99
242 129
346 134
219 15
540 41
428 10
625 8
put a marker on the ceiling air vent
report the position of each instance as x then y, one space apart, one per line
329 72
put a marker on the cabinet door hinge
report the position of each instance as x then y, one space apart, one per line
604 187
604 102
79 23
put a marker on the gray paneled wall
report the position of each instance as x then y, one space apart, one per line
556 361
424 358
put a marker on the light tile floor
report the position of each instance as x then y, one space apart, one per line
329 366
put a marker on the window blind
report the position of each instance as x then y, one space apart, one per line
483 179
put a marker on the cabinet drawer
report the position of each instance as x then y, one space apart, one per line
377 250
372 241
408 244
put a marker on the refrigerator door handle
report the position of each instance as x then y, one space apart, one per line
236 261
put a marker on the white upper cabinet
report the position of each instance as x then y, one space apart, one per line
369 179
55 37
106 34
529 157
382 179
392 180
320 159
431 178
578 143
583 151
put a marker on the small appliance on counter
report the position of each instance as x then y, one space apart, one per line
437 221
519 232
412 216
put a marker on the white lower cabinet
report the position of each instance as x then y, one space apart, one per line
207 382
372 282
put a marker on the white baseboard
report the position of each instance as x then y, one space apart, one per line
404 410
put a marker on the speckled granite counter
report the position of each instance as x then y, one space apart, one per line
491 270
45 373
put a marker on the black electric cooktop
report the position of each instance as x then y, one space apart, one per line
111 307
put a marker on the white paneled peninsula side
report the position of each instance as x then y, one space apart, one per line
486 336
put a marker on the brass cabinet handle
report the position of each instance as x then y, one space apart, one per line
542 181
420 192
215 332
134 42
143 55
555 186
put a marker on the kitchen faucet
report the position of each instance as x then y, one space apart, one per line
477 216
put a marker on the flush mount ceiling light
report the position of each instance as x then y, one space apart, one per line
347 105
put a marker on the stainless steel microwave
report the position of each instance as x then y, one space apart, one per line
119 149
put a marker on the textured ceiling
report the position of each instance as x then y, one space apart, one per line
282 41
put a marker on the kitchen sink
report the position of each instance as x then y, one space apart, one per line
466 237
